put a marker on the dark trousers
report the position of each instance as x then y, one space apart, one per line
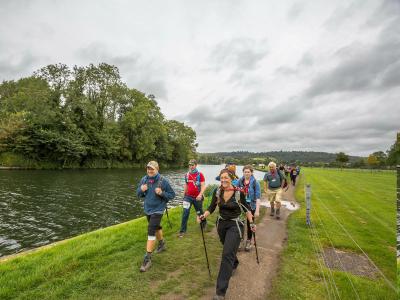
198 206
249 232
293 178
229 236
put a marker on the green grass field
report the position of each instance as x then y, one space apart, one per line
346 205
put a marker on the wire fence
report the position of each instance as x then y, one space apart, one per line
326 274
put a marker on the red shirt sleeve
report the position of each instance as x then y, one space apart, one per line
202 179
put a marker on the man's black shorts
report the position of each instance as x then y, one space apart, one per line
154 223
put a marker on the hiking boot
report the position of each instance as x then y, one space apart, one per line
218 297
161 246
146 264
181 234
278 211
248 245
272 212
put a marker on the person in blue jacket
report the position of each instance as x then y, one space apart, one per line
156 191
249 185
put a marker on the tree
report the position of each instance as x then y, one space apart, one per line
87 115
183 140
359 163
372 161
58 77
342 158
381 158
393 154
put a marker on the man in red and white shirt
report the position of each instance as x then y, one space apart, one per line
194 190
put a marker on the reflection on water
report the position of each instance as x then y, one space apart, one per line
39 207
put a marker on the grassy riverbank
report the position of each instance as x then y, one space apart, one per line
105 264
363 204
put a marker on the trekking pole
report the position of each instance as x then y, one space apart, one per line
166 207
169 222
255 244
204 243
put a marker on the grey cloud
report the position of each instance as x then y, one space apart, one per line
240 54
306 60
342 14
98 52
295 10
387 10
356 128
227 116
137 72
13 66
391 76
363 68
295 138
286 71
284 113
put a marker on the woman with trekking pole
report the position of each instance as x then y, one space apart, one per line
232 203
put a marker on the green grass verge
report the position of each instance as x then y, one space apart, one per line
363 203
105 264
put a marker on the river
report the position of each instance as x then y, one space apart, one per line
38 207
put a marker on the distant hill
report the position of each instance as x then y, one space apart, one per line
281 156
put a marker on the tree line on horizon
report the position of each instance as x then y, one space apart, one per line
378 159
285 157
86 117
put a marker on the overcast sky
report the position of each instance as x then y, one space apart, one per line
246 75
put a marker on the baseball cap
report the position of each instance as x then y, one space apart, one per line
153 164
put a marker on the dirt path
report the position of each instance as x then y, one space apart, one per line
253 281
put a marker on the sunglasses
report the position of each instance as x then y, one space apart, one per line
191 165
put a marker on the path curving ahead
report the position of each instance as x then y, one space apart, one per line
253 281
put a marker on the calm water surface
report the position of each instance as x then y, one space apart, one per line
39 207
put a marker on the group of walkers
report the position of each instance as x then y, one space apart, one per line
237 199
293 171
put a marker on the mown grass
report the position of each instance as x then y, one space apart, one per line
105 264
364 205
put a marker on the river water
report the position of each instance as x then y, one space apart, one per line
38 207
